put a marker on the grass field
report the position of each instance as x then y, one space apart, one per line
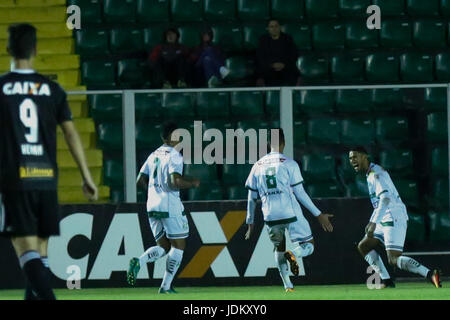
415 291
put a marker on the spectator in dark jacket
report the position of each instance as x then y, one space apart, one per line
168 61
208 61
276 58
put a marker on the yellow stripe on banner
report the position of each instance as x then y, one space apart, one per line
201 262
231 222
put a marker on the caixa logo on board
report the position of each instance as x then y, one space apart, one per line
123 240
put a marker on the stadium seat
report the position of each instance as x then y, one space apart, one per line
148 106
398 162
356 130
235 174
147 135
323 131
219 10
409 192
240 68
299 132
439 224
113 173
131 73
315 101
119 11
301 33
347 69
321 9
110 136
125 40
288 9
445 8
386 99
429 34
202 171
352 8
237 193
106 106
357 35
91 42
318 167
435 99
228 36
382 67
189 34
313 69
443 67
92 10
149 11
416 228
251 10
419 8
439 162
354 190
391 8
98 74
396 34
439 194
437 126
273 103
323 190
390 129
328 35
247 103
186 10
152 36
178 105
211 190
213 105
353 101
252 33
416 67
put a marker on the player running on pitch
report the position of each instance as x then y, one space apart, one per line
388 222
162 175
31 106
279 183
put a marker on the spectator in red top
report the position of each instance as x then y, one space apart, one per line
276 58
168 61
208 61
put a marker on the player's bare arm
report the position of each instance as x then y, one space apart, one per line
142 181
76 149
178 182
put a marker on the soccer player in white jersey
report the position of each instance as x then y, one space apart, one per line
388 222
162 173
279 183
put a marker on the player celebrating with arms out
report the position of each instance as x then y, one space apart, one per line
279 183
388 222
162 175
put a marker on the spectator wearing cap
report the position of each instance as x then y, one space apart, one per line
168 61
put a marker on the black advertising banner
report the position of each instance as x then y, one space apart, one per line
97 242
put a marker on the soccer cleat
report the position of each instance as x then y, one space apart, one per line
289 290
133 271
292 262
387 283
169 291
434 277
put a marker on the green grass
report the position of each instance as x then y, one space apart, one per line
415 291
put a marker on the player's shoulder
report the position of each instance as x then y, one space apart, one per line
376 171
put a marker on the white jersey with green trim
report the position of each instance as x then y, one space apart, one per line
273 177
161 163
379 182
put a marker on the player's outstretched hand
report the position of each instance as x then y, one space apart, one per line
90 190
196 182
324 220
249 231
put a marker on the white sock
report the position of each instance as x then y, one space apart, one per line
151 255
224 72
303 250
172 265
374 260
411 265
283 269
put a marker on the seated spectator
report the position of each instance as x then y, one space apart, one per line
276 58
168 61
208 61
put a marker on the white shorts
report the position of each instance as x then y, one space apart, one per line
173 227
391 232
299 231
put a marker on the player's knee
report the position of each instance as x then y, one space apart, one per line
308 248
362 248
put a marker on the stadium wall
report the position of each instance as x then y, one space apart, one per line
97 242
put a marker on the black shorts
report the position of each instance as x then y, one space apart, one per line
29 213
